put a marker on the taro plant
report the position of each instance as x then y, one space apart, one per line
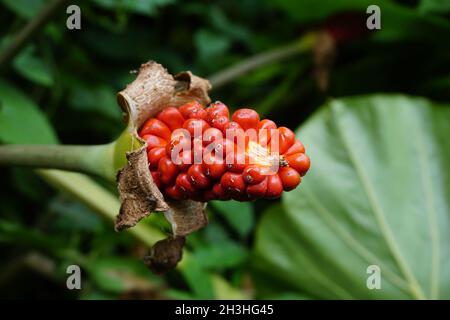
175 155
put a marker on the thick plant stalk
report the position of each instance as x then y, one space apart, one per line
95 160
107 205
98 199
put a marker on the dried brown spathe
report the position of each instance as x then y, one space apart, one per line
152 90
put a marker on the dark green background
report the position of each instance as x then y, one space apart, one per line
63 84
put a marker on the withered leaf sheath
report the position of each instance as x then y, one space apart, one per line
152 90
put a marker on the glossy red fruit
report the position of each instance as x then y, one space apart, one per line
233 126
195 127
168 170
220 122
155 127
223 161
297 147
274 187
189 107
233 183
208 195
154 141
183 160
246 118
238 162
184 184
300 162
174 193
253 174
258 190
215 110
210 135
235 133
220 192
154 155
177 144
224 147
286 139
171 117
156 176
264 131
193 110
197 177
290 178
213 167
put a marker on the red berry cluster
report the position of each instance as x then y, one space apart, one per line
227 170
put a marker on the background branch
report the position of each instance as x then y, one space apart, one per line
29 31
305 44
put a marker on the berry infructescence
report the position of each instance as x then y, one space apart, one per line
200 154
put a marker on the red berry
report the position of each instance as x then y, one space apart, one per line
287 138
197 177
174 193
235 133
236 162
220 192
289 177
210 135
184 184
253 174
274 187
168 170
220 122
267 124
297 147
195 127
246 118
171 117
187 108
208 195
154 155
258 190
156 176
154 141
183 160
233 183
264 131
190 149
155 127
213 166
224 147
299 161
177 144
233 126
215 110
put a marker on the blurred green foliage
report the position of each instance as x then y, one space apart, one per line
63 84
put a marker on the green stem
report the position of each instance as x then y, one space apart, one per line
105 203
97 160
98 199
304 44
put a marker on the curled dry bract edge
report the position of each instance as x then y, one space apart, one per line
152 90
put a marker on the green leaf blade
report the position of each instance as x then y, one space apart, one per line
21 121
377 193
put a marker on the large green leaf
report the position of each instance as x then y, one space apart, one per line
21 121
377 194
33 68
239 215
